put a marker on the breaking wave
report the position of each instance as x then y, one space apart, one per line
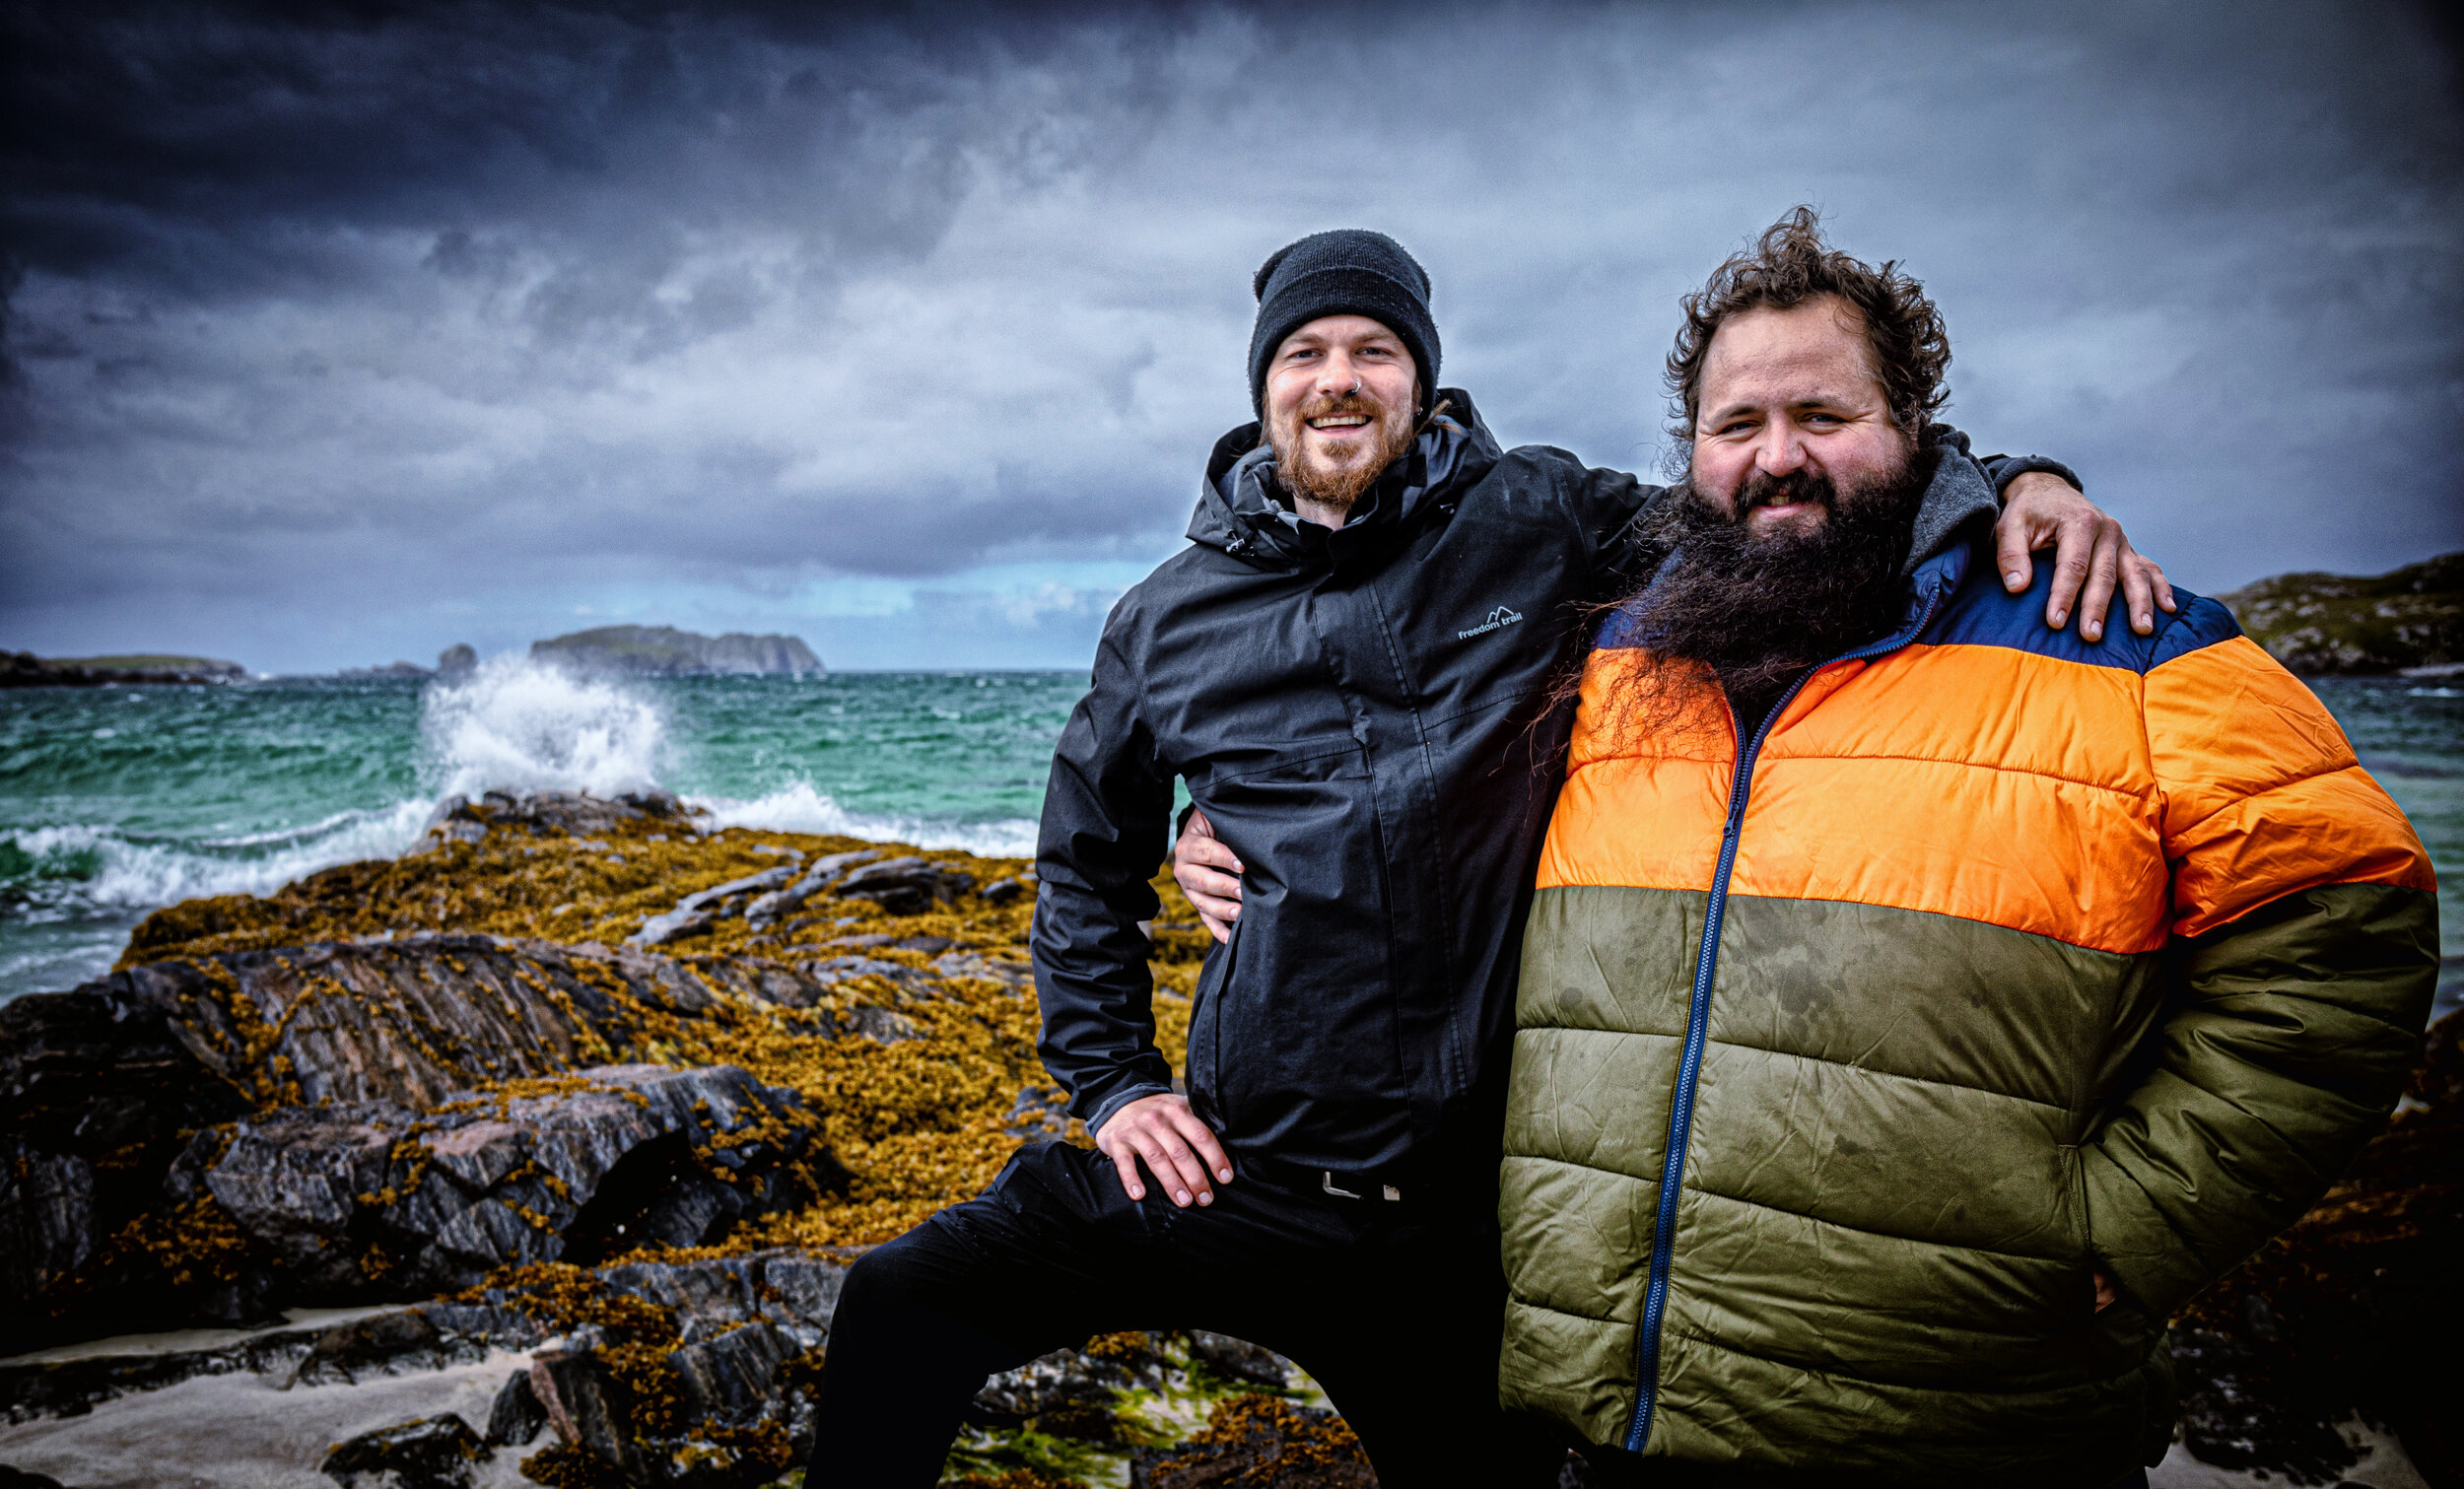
516 725
107 867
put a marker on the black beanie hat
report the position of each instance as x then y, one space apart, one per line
1350 271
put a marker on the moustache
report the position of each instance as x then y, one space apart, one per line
1353 403
1760 489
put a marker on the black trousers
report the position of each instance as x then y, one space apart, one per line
1396 1310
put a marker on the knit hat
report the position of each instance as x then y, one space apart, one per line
1350 271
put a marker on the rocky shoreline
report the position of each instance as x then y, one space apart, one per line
2409 621
537 1156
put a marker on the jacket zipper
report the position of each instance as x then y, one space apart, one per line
1698 1021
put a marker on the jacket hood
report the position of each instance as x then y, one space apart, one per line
1240 511
1957 496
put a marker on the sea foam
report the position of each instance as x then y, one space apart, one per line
105 866
516 725
799 808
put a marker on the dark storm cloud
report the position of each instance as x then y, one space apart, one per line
324 330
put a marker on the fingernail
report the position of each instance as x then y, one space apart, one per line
1137 1193
2092 631
2060 616
2014 578
2146 621
1206 1199
1224 1173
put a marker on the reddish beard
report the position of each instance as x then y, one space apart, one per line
1324 481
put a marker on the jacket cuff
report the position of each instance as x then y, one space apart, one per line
2007 468
1119 1100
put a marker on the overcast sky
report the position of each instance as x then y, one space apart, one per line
337 340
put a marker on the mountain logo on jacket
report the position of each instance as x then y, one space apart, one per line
1498 619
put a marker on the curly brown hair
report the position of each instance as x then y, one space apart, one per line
1789 265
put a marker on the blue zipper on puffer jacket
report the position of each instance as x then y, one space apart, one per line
1698 1017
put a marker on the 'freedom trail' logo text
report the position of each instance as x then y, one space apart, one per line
1501 616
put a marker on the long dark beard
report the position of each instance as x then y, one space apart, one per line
1756 609
1338 487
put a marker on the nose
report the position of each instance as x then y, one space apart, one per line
1337 375
1778 451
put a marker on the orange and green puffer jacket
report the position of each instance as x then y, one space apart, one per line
1846 1052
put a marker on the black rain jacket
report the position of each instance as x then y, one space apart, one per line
1363 714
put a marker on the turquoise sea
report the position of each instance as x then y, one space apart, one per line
114 801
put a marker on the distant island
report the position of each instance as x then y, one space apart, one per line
2332 625
665 651
23 669
453 664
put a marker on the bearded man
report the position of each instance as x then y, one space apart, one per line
1349 667
1918 1005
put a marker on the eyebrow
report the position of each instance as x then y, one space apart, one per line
1389 342
1729 411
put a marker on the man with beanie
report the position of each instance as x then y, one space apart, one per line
1351 668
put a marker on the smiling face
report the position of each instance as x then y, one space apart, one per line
1792 415
1339 398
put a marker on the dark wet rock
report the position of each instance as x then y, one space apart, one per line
794 1293
1075 1393
788 1292
700 910
350 1200
574 814
674 925
386 1344
1040 1114
115 1099
1259 1443
906 886
186 1044
72 1387
929 946
46 1216
969 963
369 1347
434 1452
1240 1359
2355 1310
98 1092
784 901
1002 891
734 1419
591 1410
517 1418
726 1378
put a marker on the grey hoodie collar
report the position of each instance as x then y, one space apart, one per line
1957 496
